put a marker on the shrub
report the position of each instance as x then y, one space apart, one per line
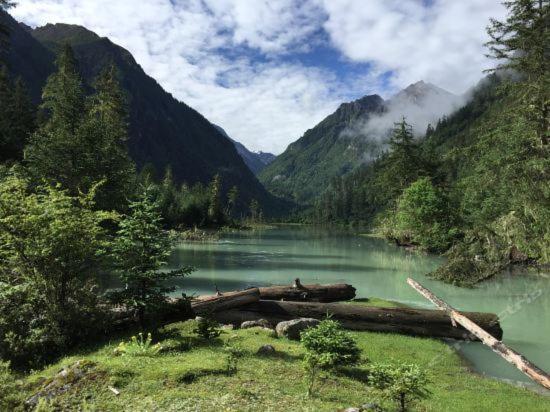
327 347
207 328
233 352
138 346
51 246
403 384
9 390
423 217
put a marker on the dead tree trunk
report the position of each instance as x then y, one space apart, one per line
308 293
224 301
418 322
510 355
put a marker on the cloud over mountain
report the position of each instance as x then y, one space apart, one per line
268 70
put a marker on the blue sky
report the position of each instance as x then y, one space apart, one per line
267 70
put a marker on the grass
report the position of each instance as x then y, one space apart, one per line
377 303
191 375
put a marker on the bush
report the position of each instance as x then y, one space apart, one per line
138 346
10 392
51 246
233 352
403 384
207 328
423 217
327 347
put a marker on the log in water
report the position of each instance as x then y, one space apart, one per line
309 293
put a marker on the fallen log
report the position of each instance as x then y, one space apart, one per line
224 301
309 293
417 322
465 320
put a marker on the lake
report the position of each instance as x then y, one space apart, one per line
377 269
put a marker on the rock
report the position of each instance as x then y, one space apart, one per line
266 350
352 410
230 326
62 382
256 323
199 318
291 329
371 406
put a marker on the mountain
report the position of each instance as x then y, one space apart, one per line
163 131
256 161
351 136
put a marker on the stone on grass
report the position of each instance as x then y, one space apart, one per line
61 382
256 323
266 350
291 328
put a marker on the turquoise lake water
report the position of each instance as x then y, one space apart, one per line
376 268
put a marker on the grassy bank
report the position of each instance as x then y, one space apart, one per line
190 374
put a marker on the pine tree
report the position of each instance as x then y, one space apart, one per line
523 42
215 210
63 96
232 197
16 117
404 162
54 153
105 132
141 249
83 140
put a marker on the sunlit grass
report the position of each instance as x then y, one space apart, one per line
190 374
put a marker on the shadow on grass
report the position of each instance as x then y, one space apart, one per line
358 374
195 374
286 357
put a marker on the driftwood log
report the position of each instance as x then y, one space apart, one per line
418 322
308 293
224 301
489 339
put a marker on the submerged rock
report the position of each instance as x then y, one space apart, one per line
291 329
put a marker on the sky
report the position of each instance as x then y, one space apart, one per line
268 70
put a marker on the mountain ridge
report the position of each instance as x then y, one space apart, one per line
163 131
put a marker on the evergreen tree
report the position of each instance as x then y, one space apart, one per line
215 210
104 133
523 42
83 141
403 162
141 249
232 198
16 117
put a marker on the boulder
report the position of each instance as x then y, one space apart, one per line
266 350
291 329
262 323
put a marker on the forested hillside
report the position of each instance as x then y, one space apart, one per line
309 163
354 135
162 131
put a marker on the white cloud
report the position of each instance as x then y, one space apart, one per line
268 102
442 43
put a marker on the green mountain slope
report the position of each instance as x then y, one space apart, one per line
353 136
321 153
163 131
